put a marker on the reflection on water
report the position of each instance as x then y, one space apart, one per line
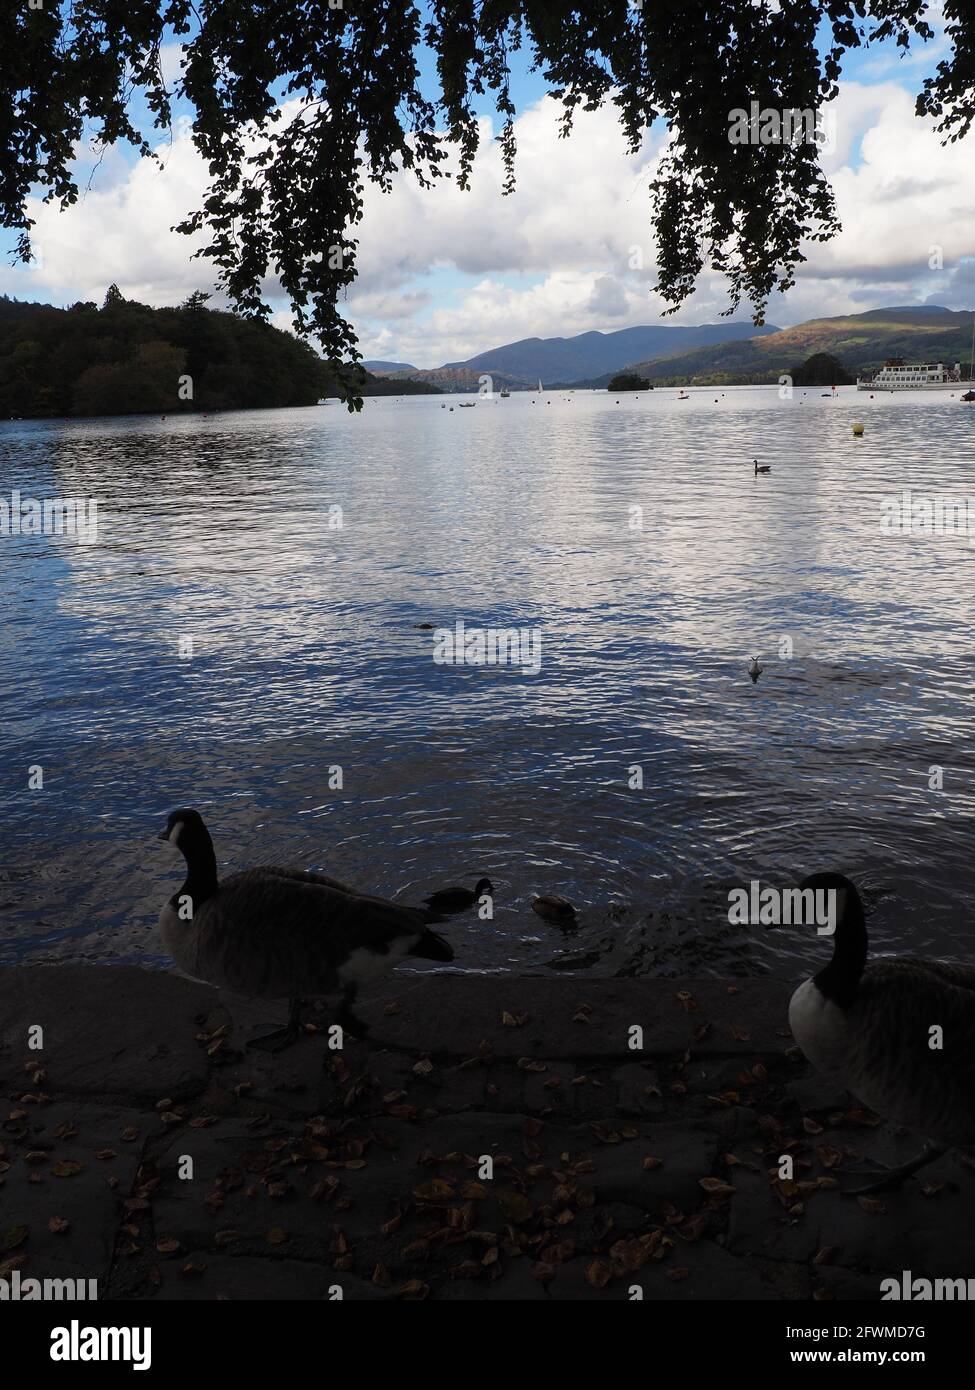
307 656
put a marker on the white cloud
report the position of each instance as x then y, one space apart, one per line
444 273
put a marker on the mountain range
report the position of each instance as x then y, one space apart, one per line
522 364
926 333
713 354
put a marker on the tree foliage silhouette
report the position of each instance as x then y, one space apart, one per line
298 105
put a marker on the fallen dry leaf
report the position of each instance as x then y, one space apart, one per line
67 1168
598 1273
13 1236
715 1187
515 1206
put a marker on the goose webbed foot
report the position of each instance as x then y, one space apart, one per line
281 1037
887 1178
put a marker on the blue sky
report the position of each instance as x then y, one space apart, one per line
446 274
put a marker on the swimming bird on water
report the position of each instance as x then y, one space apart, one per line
754 670
872 1025
451 900
762 467
554 908
280 933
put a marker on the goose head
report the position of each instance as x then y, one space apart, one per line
482 887
186 830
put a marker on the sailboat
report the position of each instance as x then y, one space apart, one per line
540 386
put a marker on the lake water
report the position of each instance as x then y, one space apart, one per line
307 656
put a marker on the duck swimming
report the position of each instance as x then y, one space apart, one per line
754 670
281 933
452 900
554 908
872 1026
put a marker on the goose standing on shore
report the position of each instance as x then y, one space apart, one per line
279 933
874 1026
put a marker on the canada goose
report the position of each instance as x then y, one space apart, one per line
762 467
554 908
754 670
872 1026
278 933
451 900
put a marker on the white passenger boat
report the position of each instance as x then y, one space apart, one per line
898 375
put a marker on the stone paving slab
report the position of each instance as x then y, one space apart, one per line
197 1169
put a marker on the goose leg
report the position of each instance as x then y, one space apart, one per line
893 1177
347 1018
281 1037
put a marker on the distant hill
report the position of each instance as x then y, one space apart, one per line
380 367
519 366
926 333
127 358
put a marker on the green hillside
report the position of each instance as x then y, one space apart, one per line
860 341
127 358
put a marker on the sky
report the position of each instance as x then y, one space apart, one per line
444 274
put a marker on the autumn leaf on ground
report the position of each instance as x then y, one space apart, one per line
67 1168
515 1206
650 1162
513 1020
715 1187
13 1236
828 1156
413 1289
167 1245
276 1236
687 1001
871 1205
434 1190
58 1225
599 1273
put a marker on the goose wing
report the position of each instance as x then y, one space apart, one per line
273 936
893 1066
297 875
